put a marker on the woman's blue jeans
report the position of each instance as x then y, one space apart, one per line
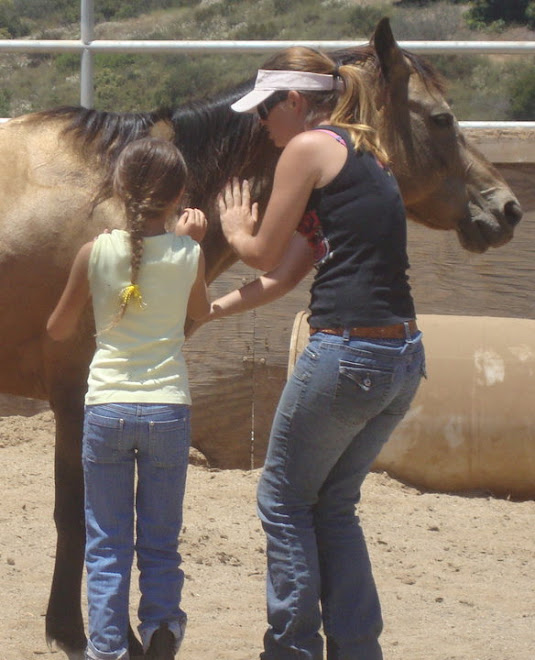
342 402
116 438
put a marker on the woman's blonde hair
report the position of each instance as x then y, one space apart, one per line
149 175
352 108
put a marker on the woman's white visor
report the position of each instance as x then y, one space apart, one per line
267 82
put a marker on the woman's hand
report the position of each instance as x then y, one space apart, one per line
297 261
235 210
192 223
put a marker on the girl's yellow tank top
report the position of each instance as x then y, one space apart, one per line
139 359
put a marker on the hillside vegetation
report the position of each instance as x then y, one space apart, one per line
480 87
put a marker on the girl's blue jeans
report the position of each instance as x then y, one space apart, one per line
342 402
117 437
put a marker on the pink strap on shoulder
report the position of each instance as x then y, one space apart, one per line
337 137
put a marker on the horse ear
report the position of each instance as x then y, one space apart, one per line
393 65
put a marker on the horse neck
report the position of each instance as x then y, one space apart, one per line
219 144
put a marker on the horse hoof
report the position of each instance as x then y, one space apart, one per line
76 655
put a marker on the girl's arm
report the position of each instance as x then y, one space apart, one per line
199 301
296 263
64 319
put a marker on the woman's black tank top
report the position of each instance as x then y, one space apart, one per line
357 228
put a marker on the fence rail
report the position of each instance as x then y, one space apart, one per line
191 46
87 47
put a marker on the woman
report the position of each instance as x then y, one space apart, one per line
142 282
335 205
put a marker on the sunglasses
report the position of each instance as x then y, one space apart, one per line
263 109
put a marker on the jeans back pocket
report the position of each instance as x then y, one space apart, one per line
169 442
361 391
103 438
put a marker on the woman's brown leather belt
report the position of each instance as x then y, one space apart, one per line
396 331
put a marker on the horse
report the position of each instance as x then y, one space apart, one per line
56 195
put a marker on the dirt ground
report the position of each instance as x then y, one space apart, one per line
455 573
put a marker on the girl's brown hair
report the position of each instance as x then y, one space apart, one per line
149 175
352 109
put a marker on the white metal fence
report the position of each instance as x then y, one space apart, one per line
87 46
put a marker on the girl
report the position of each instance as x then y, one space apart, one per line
143 282
334 205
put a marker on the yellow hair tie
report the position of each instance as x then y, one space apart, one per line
132 292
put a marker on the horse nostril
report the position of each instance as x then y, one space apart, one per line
513 213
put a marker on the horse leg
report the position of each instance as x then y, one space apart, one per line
135 648
64 622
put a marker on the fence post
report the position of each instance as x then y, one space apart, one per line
87 23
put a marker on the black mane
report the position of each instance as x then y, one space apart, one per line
217 143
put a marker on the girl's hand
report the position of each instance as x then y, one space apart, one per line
192 223
104 231
235 210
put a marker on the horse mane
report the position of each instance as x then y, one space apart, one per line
101 133
216 142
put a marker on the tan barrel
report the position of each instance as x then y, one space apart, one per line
298 340
472 424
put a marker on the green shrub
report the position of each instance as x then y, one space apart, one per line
204 14
5 102
256 31
68 63
530 14
457 67
499 13
480 87
425 3
522 91
65 12
281 6
11 25
362 20
441 21
61 12
186 78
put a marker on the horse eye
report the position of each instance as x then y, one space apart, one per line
443 119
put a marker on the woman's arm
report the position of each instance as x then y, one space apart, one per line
199 301
64 319
296 263
299 169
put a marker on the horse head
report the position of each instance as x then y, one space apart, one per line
445 181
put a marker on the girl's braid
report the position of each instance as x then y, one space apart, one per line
149 175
